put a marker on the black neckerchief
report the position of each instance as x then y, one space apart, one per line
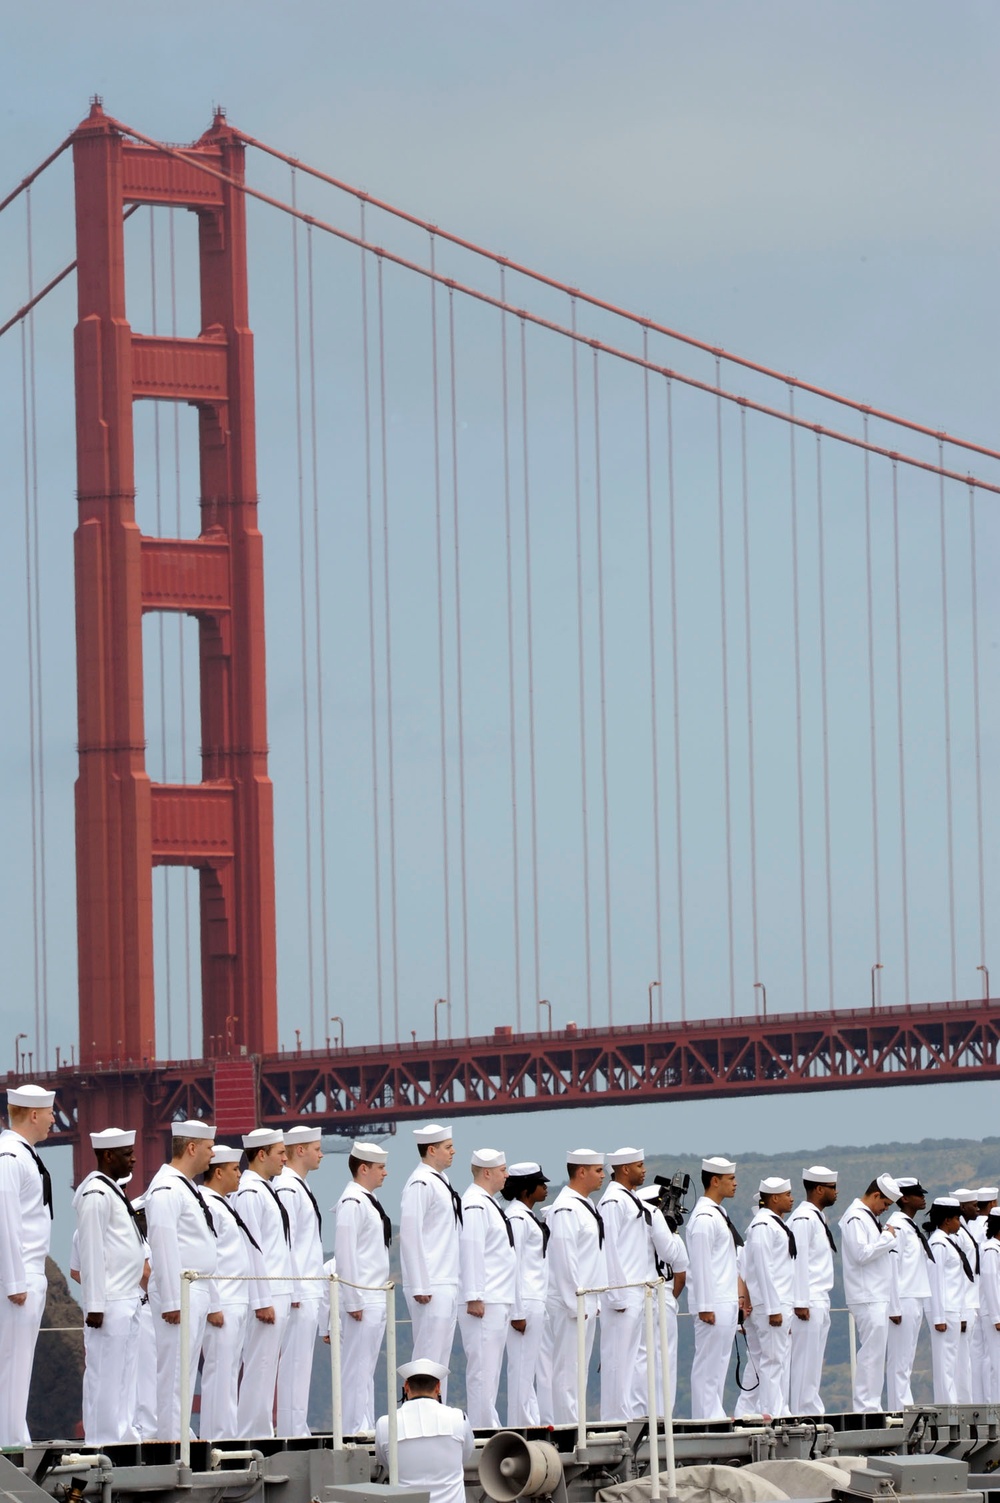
737 1239
123 1197
597 1217
286 1225
642 1210
456 1199
975 1248
290 1189
504 1218
543 1228
46 1176
826 1227
966 1265
234 1213
203 1204
923 1240
386 1223
793 1250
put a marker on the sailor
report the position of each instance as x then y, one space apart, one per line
182 1237
25 1229
769 1260
111 1258
911 1289
715 1287
434 1441
813 1282
361 1243
989 1311
668 1259
627 1251
986 1199
488 1285
223 1344
430 1217
576 1261
950 1274
268 1221
968 1374
868 1249
525 1188
304 1153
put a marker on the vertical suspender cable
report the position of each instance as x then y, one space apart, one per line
675 675
387 601
824 711
442 723
904 893
318 621
603 683
653 716
748 634
724 644
581 676
797 632
161 641
31 630
946 686
876 876
977 724
458 660
511 698
530 648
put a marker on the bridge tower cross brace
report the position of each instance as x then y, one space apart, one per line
126 824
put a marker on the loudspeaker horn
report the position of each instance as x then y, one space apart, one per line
512 1467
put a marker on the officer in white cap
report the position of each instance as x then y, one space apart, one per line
430 1218
769 1258
969 1378
869 1249
111 1257
182 1237
668 1259
911 1290
488 1285
950 1274
361 1249
626 1249
223 1343
715 1287
813 1282
25 1229
576 1261
267 1328
434 1441
529 1372
304 1154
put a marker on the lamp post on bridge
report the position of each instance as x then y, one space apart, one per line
543 1003
17 1052
878 966
759 986
986 981
441 1002
338 1019
650 989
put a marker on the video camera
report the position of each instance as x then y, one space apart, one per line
671 1197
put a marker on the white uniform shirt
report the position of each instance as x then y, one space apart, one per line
428 1232
910 1275
971 1249
575 1254
25 1223
261 1210
716 1263
108 1244
667 1253
361 1255
435 1442
949 1280
626 1241
530 1237
868 1249
487 1259
234 1264
989 1281
180 1236
305 1228
768 1265
813 1272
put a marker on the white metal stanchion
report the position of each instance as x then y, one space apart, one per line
852 1337
668 1403
336 1397
390 1381
185 1372
652 1406
581 1368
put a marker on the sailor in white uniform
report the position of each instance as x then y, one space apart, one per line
668 1259
182 1237
911 1290
950 1274
435 1441
25 1229
576 1261
361 1244
430 1217
268 1221
715 1287
868 1249
626 1250
111 1258
989 1308
813 1282
304 1153
488 1285
969 1376
986 1199
526 1187
769 1260
223 1343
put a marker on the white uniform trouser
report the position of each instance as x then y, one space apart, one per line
808 1350
563 1327
621 1339
899 1352
713 1346
748 1400
543 1375
360 1344
872 1323
963 1363
524 1348
991 1359
110 1375
261 1351
973 1342
434 1326
168 1361
18 1334
222 1352
145 1387
295 1366
945 1351
774 1346
484 1338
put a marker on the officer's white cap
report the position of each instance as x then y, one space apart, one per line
432 1133
904 1181
222 1155
819 1174
368 1153
964 1195
525 1170
648 1192
773 1186
423 1367
627 1156
489 1158
30 1095
888 1186
987 1192
302 1135
262 1137
948 1201
112 1137
718 1166
194 1127
584 1156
